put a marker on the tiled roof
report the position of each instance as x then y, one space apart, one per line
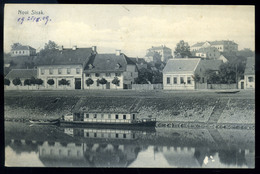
211 64
250 66
23 47
199 44
107 63
65 57
21 73
180 65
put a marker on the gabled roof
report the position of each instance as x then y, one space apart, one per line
199 44
107 63
181 65
250 66
65 57
211 64
22 73
23 47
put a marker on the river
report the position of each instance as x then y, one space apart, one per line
57 146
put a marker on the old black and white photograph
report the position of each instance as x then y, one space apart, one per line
129 86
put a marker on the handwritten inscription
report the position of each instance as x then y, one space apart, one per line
44 19
36 16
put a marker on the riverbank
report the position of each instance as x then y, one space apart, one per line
166 106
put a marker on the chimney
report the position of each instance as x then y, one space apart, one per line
94 49
118 52
61 47
74 47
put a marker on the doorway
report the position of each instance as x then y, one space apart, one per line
77 83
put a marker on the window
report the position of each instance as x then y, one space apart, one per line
203 80
133 116
168 80
87 115
68 70
108 74
116 116
42 71
182 80
124 135
109 116
175 80
250 79
188 80
124 117
59 70
77 70
97 74
19 52
95 134
88 75
50 71
23 52
97 82
102 115
95 115
116 135
87 134
69 152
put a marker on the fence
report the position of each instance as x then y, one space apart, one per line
222 86
146 86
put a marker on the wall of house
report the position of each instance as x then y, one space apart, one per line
109 77
23 53
68 72
249 84
178 85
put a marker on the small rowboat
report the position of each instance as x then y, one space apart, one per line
45 122
227 91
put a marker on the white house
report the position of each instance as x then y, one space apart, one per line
222 45
109 67
180 74
23 50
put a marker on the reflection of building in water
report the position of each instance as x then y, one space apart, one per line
182 156
101 133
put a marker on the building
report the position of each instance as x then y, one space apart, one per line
110 67
208 52
21 74
249 75
180 74
23 50
160 53
222 46
140 62
67 64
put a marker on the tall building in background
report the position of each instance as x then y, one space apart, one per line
222 46
160 53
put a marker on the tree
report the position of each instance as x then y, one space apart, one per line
89 82
246 52
6 82
212 77
116 81
17 82
27 82
102 82
50 45
32 80
14 45
38 82
145 76
183 49
50 82
64 82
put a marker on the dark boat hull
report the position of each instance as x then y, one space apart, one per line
45 122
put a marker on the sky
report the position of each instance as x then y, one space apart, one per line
130 28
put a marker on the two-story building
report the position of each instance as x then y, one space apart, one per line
222 46
208 52
164 52
67 64
23 50
110 66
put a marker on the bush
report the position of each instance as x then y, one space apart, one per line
50 82
17 82
6 82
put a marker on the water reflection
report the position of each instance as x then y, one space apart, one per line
97 147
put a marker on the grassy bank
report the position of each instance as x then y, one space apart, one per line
184 106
